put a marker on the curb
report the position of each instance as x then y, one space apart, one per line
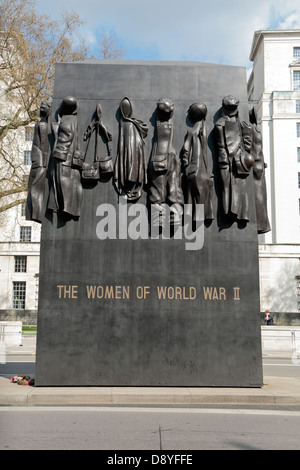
275 391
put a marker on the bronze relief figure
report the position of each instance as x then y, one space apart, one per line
259 180
39 157
66 188
198 180
130 170
234 162
103 163
164 170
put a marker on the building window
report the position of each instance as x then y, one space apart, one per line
298 129
23 209
27 157
20 264
25 234
29 134
298 180
296 54
19 294
296 80
297 106
298 291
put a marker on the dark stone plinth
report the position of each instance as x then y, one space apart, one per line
206 332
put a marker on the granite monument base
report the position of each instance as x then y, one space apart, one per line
148 311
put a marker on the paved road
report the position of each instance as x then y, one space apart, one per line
169 429
278 366
157 429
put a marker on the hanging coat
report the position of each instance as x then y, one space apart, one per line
130 175
255 146
66 190
37 176
230 145
198 180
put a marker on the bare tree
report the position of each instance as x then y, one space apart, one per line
30 46
109 47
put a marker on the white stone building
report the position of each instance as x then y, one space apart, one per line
19 268
274 89
19 238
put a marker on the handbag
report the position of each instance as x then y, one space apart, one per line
101 165
105 162
90 171
106 166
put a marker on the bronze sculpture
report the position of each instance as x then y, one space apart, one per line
164 170
130 170
260 191
66 188
102 164
39 162
198 180
234 162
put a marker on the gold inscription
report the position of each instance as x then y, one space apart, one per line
214 293
176 293
107 292
67 292
236 293
142 292
208 293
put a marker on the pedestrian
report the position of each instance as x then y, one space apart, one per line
269 318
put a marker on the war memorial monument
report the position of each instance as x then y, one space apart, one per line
148 179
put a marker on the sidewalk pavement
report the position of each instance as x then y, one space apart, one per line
280 391
276 391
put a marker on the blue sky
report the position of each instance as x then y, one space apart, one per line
213 31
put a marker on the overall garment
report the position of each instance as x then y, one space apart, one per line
164 170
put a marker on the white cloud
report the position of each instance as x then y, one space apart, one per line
215 31
290 22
